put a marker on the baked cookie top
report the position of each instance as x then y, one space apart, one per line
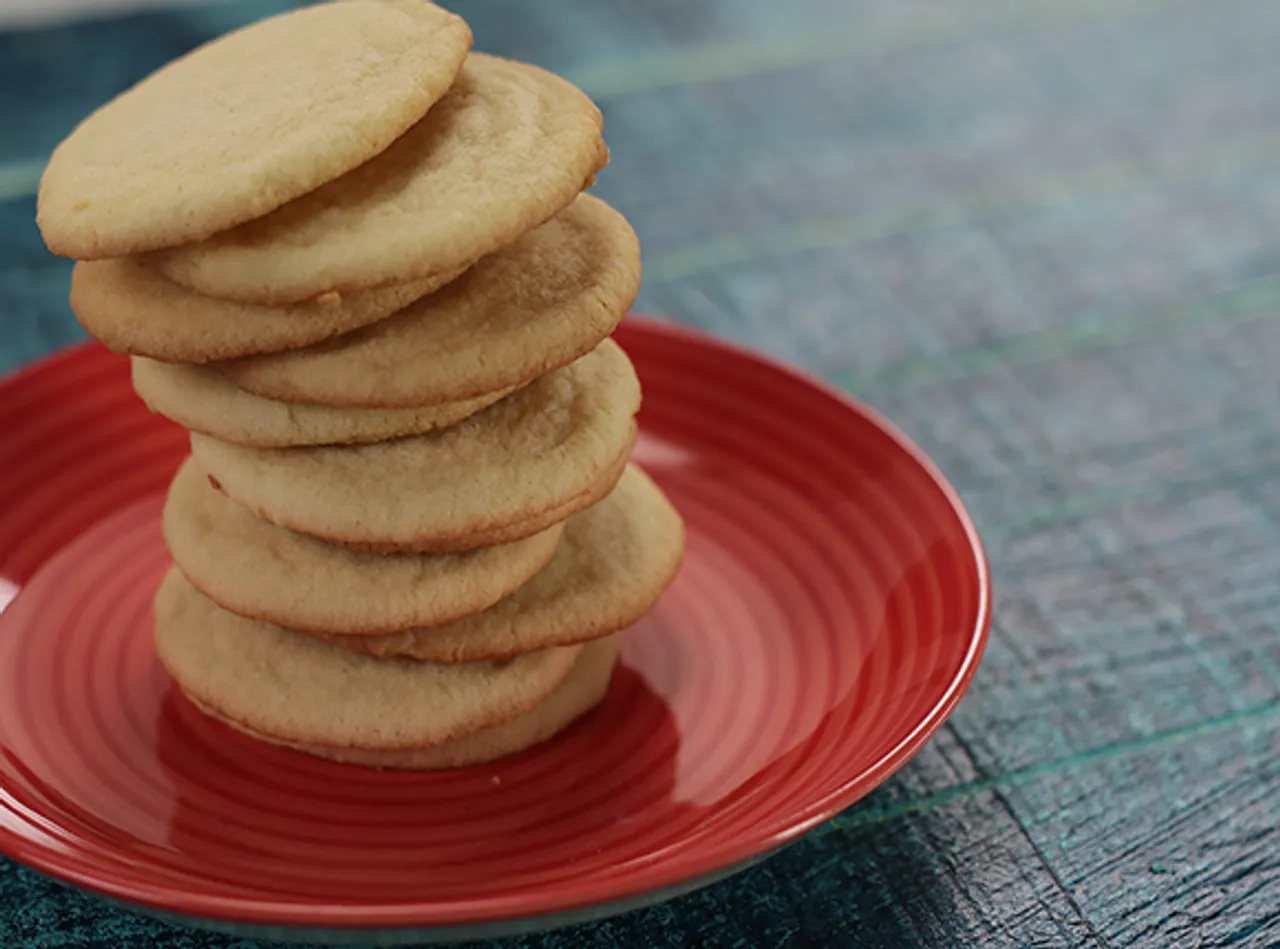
261 571
297 688
526 462
245 123
503 151
537 304
201 400
612 564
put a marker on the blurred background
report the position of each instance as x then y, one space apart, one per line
1043 236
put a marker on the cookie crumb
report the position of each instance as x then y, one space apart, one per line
329 299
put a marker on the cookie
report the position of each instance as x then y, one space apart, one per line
298 689
533 306
583 689
546 451
243 124
134 309
503 151
264 572
199 399
613 563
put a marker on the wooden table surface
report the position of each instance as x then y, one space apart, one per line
1044 237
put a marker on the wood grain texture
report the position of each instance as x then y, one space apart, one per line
1040 237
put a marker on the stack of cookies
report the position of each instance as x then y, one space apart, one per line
357 262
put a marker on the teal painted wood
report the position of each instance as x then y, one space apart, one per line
1045 239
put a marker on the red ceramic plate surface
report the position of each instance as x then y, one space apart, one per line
832 607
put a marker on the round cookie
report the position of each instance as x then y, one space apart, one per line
504 150
611 566
134 309
199 399
533 306
299 689
582 690
245 123
548 450
264 572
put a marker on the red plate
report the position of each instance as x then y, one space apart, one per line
832 608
